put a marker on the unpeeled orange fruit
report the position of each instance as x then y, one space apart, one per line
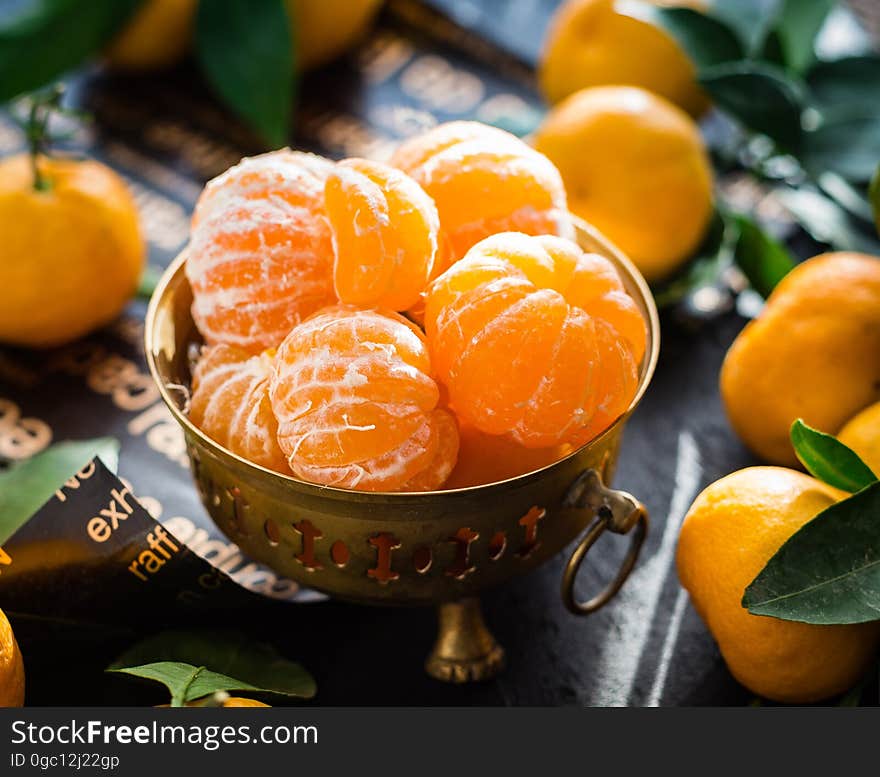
812 353
11 667
385 231
261 258
862 434
485 180
230 403
730 532
535 339
324 29
357 405
636 168
158 35
71 252
601 42
240 701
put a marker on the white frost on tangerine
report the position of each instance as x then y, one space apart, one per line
336 371
260 258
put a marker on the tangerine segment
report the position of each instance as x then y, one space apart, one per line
535 339
445 456
488 458
230 403
356 404
261 257
385 231
442 261
485 180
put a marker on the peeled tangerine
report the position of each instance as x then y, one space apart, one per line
489 458
535 339
230 403
485 180
357 406
385 230
261 258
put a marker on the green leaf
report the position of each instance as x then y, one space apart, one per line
45 38
764 260
760 96
149 281
828 571
843 83
853 198
177 678
847 143
246 52
186 682
828 459
229 660
795 29
875 197
750 19
826 221
711 258
25 486
707 41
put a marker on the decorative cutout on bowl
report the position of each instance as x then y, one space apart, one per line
310 534
530 521
339 553
461 567
385 544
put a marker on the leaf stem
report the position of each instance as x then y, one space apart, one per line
180 699
42 106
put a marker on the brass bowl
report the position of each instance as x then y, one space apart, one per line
436 548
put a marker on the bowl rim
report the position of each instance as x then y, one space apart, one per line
649 363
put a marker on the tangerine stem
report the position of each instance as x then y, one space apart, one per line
43 105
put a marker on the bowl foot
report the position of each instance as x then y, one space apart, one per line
465 650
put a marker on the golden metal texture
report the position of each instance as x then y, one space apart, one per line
465 650
407 548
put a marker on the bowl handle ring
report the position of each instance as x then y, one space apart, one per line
615 511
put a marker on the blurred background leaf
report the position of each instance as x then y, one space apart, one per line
792 37
763 97
845 82
750 19
709 262
826 221
707 41
247 54
847 143
852 197
25 486
875 197
763 260
43 39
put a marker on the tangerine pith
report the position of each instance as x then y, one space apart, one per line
297 266
357 405
385 234
485 180
261 256
536 339
230 403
